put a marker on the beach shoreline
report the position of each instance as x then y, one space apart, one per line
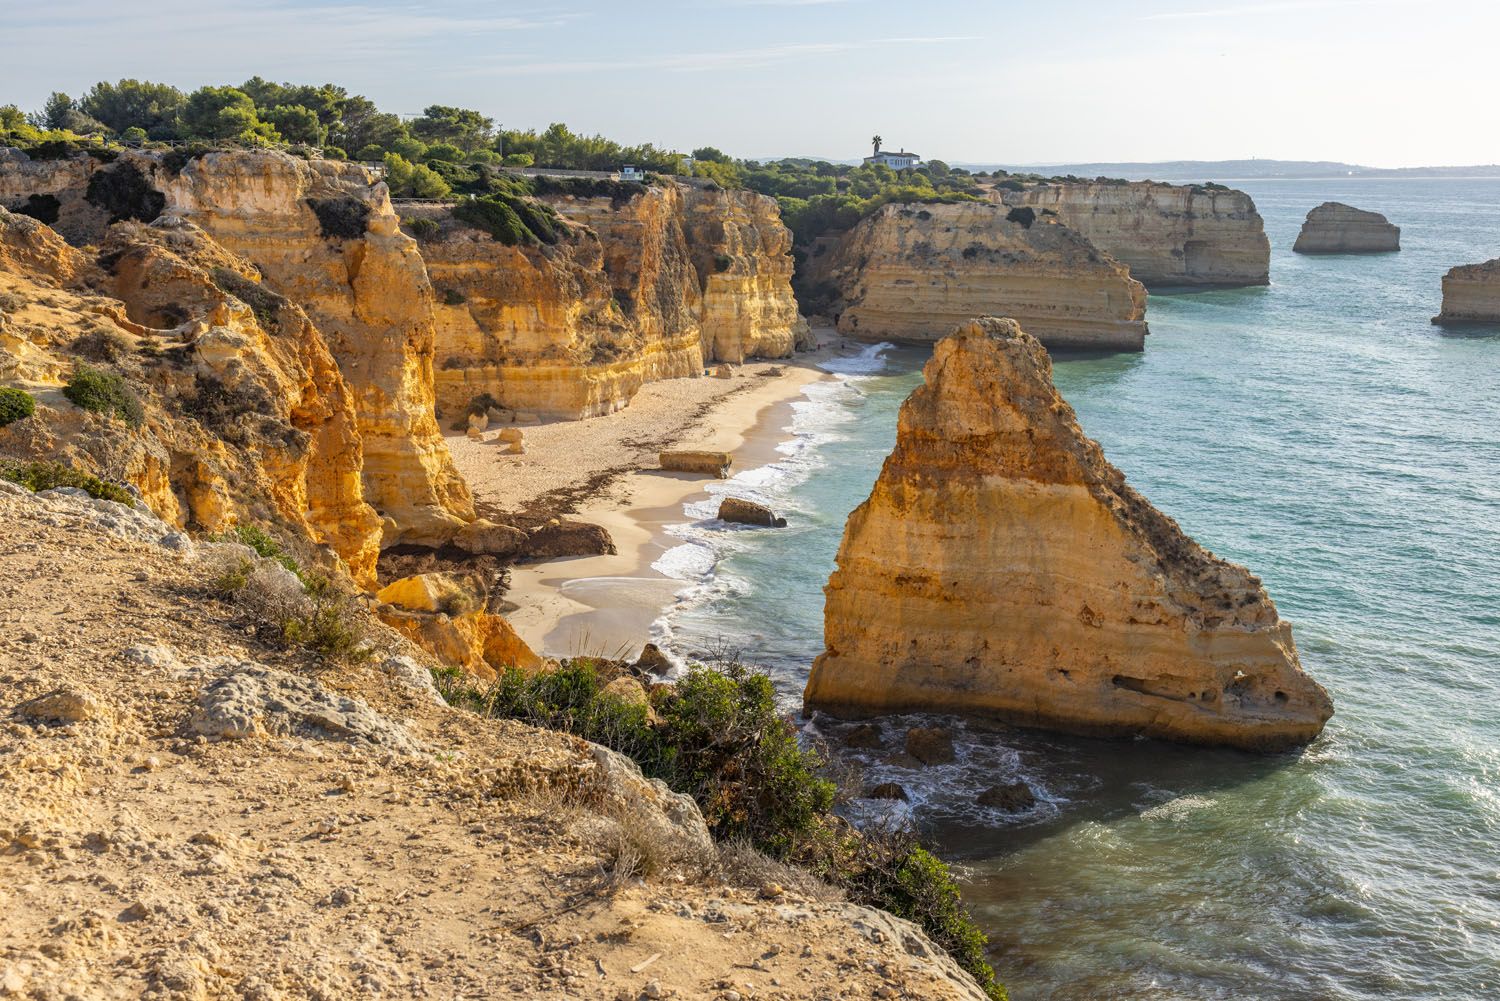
606 605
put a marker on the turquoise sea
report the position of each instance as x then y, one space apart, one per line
1324 433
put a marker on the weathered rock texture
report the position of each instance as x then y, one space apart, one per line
910 272
1167 234
1471 294
1336 228
321 233
642 286
1001 567
247 417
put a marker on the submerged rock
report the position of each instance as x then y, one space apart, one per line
931 745
1002 567
1336 228
1013 797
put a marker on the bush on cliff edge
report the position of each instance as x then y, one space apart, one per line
717 735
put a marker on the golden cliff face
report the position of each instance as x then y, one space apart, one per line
910 272
1002 567
641 288
323 234
247 415
1166 234
743 255
1471 294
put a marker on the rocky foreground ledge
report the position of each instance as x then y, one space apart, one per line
1002 567
187 813
1336 228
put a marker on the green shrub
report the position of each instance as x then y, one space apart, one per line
421 229
125 193
260 540
335 153
104 393
890 870
453 297
495 217
15 405
723 262
38 476
719 737
340 218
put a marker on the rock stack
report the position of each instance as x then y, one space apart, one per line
1471 294
1001 567
1336 228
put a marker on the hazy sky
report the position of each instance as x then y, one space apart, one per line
1379 82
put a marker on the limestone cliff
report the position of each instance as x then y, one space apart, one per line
574 329
910 272
743 255
246 416
1336 228
1471 294
1002 567
641 286
321 233
1167 234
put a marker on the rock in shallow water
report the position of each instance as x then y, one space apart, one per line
743 512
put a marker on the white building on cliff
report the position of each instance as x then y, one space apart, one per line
895 161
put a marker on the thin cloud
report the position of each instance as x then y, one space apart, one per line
1252 9
691 62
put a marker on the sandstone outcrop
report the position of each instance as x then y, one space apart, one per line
910 272
641 286
1471 294
1166 234
1336 228
246 414
715 464
446 617
321 233
1002 567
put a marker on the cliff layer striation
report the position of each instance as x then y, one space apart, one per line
1471 294
910 272
1336 228
1166 234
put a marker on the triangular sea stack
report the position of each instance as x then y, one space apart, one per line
1002 567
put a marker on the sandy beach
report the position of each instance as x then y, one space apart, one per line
605 470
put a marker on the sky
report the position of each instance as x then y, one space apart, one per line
1383 83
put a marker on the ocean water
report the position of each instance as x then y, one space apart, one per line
1324 433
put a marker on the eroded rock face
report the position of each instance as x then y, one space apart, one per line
247 417
1166 234
324 235
1001 567
910 272
1336 228
1471 294
640 287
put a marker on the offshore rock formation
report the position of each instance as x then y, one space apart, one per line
1471 294
1336 228
321 233
910 272
1001 567
643 285
246 416
1167 234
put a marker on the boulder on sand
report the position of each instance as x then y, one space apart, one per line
743 512
714 464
